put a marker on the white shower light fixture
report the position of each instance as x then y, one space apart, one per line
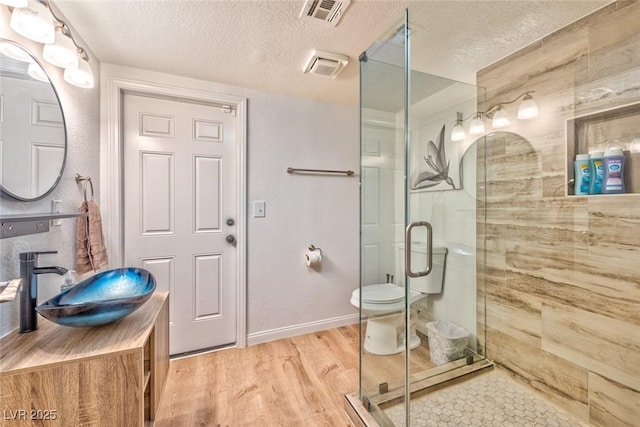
500 119
477 125
325 64
528 108
457 133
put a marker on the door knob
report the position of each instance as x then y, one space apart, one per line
230 221
231 239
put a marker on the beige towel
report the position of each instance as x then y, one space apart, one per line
91 252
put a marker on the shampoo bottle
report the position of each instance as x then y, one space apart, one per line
613 179
582 174
596 169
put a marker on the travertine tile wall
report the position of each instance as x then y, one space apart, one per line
563 272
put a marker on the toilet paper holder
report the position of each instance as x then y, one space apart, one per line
313 248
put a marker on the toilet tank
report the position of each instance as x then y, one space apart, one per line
431 283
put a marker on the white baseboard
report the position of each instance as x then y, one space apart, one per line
301 329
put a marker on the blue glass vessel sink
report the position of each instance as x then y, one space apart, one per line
100 299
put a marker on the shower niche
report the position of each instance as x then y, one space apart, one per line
603 130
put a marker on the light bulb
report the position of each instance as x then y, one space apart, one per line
500 119
15 3
477 125
36 72
63 52
34 22
528 108
457 133
81 76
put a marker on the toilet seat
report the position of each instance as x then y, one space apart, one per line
381 294
383 298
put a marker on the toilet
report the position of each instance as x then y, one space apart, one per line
382 304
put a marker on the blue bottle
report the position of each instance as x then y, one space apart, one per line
596 168
582 175
613 179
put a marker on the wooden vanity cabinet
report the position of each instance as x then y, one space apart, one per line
111 375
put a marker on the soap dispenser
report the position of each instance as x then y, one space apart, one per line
613 179
69 279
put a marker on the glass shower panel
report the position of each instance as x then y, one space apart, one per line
383 303
422 196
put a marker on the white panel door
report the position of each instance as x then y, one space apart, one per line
377 221
45 166
180 189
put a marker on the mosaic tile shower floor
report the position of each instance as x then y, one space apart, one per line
491 399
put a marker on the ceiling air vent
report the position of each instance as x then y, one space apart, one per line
326 64
325 10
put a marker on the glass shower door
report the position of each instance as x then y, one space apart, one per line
422 196
383 363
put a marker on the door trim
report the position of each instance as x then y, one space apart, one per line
112 169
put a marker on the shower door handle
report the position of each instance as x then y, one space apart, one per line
407 249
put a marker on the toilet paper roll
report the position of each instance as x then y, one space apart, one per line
313 257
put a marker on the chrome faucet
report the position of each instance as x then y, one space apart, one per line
29 272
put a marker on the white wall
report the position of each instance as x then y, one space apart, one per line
81 110
452 213
285 297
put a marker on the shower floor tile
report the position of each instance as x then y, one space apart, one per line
489 399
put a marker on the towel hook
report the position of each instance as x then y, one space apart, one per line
84 180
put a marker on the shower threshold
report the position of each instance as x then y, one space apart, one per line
423 382
484 397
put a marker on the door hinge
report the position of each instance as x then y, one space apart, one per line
228 110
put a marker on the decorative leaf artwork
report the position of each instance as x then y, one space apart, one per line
437 166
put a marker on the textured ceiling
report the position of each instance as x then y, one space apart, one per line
264 45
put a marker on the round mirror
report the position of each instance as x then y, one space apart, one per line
33 138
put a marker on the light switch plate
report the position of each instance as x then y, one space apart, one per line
258 209
55 208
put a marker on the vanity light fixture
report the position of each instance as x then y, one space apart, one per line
528 109
15 3
35 20
81 76
63 52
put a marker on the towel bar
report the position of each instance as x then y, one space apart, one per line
294 170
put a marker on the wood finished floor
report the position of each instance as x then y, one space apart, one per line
299 381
